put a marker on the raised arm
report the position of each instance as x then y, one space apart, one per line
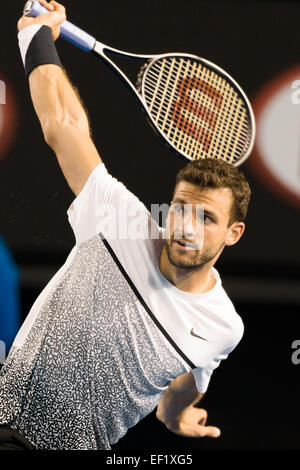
176 409
60 111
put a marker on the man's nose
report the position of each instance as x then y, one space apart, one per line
188 228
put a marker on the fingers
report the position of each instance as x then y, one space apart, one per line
57 6
201 415
192 423
54 20
210 431
55 15
200 431
46 5
52 6
192 430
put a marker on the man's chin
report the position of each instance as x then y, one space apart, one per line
182 261
188 266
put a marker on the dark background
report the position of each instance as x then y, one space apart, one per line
254 396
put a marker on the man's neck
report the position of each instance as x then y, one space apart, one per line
194 281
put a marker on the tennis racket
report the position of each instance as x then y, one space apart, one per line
194 105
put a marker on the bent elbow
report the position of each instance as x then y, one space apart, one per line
52 131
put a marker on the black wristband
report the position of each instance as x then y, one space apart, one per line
41 50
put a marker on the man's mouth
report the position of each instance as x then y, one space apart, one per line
185 245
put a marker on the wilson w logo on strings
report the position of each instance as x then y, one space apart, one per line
189 111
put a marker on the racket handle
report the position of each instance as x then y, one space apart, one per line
68 31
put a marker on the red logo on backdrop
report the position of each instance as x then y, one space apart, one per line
276 155
7 116
186 108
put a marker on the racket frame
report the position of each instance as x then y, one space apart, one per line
88 43
220 71
99 51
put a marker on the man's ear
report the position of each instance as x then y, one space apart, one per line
234 233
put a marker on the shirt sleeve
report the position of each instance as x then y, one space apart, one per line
106 206
202 375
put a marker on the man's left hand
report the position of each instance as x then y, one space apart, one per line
192 423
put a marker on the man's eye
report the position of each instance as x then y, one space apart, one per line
207 218
204 217
177 208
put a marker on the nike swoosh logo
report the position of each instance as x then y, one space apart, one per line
194 334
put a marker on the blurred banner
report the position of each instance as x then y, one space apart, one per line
276 157
10 307
7 116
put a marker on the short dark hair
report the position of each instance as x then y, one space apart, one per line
213 173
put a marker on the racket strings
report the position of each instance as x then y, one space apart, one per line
197 109
192 119
212 79
193 116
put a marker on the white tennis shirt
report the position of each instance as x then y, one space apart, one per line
109 332
212 314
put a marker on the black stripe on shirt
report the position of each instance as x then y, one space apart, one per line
140 298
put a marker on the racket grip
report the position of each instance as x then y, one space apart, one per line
68 31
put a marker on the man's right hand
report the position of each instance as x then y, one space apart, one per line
53 19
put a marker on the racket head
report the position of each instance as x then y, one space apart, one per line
197 107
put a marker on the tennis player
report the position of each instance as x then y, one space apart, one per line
128 323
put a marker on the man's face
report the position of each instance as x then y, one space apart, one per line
196 226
